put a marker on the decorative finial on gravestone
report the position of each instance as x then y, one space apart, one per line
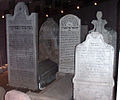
20 8
99 15
99 24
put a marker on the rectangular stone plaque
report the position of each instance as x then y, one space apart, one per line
22 48
69 37
94 69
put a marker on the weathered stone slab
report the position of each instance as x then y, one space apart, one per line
109 35
2 93
22 48
16 95
47 72
69 37
61 89
118 80
94 69
48 41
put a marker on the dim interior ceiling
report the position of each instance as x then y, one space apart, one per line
48 6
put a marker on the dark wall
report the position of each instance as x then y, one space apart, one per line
2 43
87 14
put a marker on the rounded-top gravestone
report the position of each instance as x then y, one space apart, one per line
48 41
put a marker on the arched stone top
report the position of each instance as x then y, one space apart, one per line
49 27
69 20
21 8
95 36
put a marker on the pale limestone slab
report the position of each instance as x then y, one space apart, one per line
16 95
69 37
22 47
118 80
2 93
94 69
109 35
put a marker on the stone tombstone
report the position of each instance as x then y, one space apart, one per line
109 35
48 41
22 48
94 69
69 37
16 95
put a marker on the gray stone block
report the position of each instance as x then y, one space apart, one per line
47 72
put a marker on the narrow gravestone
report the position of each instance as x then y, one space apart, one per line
2 93
16 95
69 37
93 78
22 48
109 35
48 41
61 89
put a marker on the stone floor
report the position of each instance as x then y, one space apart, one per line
61 89
4 83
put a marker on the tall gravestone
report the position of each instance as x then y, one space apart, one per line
69 37
22 48
109 35
93 78
48 41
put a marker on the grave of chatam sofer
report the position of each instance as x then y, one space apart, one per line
69 37
94 69
48 41
22 50
109 35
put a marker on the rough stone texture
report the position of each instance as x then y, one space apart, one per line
48 41
94 69
47 72
69 37
22 48
109 35
16 95
61 89
2 93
